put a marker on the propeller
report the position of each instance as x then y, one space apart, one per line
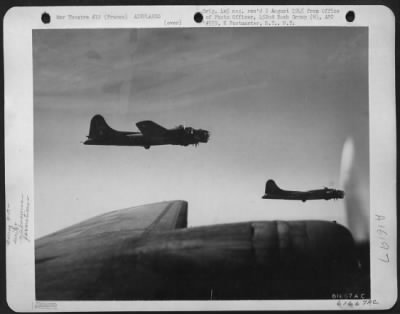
356 207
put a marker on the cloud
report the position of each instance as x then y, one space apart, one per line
114 87
91 54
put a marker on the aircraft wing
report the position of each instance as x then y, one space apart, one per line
150 128
148 253
70 263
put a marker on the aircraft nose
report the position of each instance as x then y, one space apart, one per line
202 136
205 136
339 194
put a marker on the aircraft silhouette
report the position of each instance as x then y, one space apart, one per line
150 134
272 191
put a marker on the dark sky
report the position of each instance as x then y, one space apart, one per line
279 103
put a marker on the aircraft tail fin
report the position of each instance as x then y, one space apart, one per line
271 187
99 128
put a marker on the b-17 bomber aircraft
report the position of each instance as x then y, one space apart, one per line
272 191
150 134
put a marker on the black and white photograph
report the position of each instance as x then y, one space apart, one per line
180 163
164 158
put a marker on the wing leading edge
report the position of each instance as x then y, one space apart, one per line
151 129
84 252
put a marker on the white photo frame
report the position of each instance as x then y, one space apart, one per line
20 25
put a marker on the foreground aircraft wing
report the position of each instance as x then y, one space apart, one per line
148 253
150 128
71 263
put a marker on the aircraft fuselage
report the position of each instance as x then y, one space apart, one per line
272 191
138 139
321 194
151 134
